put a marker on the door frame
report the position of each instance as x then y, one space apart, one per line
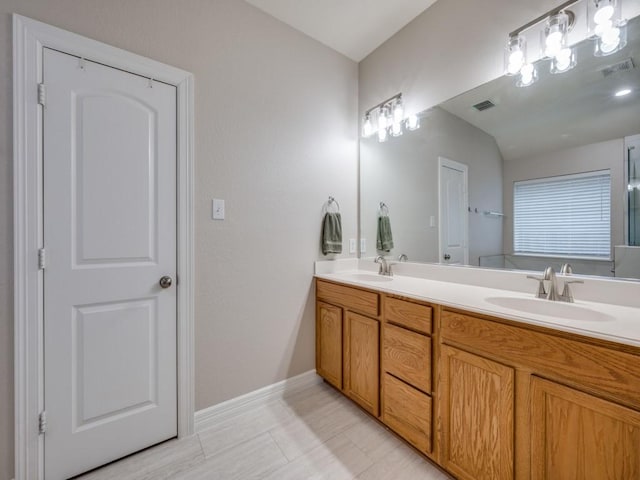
30 37
446 162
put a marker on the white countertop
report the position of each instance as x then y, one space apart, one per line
619 323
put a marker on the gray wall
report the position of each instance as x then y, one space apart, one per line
403 173
276 133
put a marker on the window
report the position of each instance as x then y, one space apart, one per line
568 215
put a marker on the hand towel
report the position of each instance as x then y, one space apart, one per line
384 240
332 233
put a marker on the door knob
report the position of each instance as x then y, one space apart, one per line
447 256
165 282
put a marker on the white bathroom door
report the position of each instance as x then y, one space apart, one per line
454 216
109 168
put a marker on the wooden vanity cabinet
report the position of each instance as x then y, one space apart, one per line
485 398
348 342
477 416
329 328
407 405
525 402
577 435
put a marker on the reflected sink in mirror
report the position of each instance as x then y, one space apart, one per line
550 308
367 277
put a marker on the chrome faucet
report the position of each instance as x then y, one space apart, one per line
385 267
551 293
550 275
403 258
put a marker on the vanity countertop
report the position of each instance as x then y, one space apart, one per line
605 321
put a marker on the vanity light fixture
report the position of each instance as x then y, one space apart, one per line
605 26
387 118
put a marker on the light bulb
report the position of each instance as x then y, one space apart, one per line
528 76
553 44
611 36
398 111
382 134
413 122
382 119
367 127
603 27
563 60
603 14
396 129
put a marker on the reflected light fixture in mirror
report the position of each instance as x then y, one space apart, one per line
387 118
605 26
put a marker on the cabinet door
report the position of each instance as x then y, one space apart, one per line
477 416
578 436
362 358
329 343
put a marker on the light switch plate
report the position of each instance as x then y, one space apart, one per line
218 209
363 245
352 245
432 221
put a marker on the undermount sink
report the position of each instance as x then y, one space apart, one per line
541 306
368 277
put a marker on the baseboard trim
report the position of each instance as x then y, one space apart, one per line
207 417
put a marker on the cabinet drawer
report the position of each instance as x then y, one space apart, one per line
410 315
407 355
351 298
574 362
407 411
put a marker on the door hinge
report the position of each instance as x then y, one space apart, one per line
42 94
42 258
42 422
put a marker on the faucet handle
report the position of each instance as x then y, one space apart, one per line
567 295
566 269
541 293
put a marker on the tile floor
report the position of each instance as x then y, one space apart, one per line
314 434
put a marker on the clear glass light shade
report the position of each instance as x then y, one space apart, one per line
367 126
528 76
398 111
383 124
413 122
515 54
603 15
564 61
554 34
396 129
612 38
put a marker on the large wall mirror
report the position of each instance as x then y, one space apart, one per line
472 183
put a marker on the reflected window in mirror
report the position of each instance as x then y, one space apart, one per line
568 215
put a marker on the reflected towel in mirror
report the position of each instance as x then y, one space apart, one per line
332 233
384 239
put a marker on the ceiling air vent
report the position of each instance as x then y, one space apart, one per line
484 105
623 66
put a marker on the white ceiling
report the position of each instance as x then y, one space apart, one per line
354 28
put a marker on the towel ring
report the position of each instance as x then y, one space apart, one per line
330 202
384 210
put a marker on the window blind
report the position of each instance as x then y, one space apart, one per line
568 215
